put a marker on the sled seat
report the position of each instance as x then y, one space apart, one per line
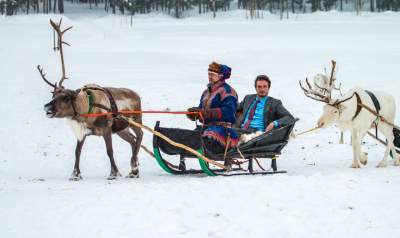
266 145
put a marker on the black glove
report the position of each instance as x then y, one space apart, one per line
194 116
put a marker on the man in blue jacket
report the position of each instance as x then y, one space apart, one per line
218 105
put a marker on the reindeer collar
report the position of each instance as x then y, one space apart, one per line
359 107
113 109
90 99
76 114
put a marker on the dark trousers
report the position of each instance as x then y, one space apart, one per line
213 146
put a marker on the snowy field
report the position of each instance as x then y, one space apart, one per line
165 61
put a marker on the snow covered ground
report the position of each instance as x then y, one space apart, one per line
165 61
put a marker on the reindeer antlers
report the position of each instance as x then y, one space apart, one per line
313 94
44 77
325 96
332 72
60 33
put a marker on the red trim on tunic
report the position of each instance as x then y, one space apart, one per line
222 140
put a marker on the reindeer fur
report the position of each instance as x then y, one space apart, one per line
70 104
103 126
343 115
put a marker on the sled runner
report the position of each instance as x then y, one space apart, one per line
267 145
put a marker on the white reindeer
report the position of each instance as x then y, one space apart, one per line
356 112
325 85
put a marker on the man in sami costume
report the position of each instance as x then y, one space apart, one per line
218 106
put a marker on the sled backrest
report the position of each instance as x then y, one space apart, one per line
396 133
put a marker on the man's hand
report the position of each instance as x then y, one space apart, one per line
196 115
193 109
270 127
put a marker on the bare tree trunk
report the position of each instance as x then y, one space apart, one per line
61 6
371 3
213 9
113 6
358 6
177 9
287 8
131 18
293 11
9 11
271 5
199 7
252 8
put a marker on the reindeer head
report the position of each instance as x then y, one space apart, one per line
336 110
321 91
329 116
62 103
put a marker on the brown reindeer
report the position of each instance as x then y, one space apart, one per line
72 104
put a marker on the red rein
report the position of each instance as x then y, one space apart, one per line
140 112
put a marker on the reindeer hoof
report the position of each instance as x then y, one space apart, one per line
114 175
364 158
133 174
397 162
355 165
75 177
381 164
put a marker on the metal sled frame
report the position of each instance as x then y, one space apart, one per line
269 145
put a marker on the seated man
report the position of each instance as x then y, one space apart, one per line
218 106
259 112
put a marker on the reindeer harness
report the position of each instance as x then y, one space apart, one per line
90 96
360 105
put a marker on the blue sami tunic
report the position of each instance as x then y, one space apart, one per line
219 103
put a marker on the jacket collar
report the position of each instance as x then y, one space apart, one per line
215 86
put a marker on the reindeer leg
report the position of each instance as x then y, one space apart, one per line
135 161
383 162
363 155
388 132
341 141
76 174
108 139
130 138
396 156
356 149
